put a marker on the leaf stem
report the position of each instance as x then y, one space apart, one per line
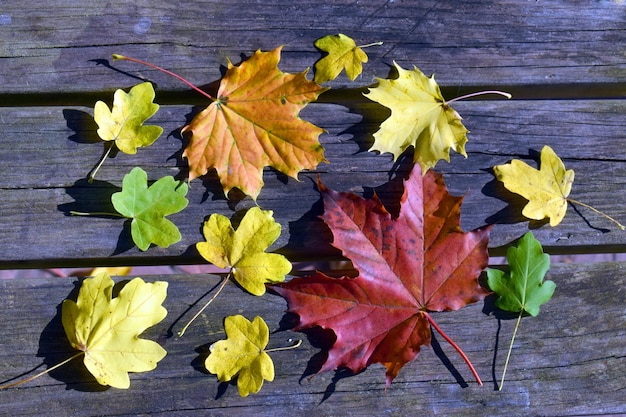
596 211
298 343
455 346
95 213
58 365
92 174
178 77
219 290
370 44
480 93
508 355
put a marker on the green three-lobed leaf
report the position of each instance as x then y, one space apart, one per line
148 206
523 288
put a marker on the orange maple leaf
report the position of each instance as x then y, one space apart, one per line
254 123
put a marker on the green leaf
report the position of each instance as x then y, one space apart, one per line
148 206
124 123
523 288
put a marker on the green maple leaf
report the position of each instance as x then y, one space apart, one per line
148 206
522 289
124 122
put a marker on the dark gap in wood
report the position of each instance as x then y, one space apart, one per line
190 259
585 91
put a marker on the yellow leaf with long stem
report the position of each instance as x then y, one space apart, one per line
546 189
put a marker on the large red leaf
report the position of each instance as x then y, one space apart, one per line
418 263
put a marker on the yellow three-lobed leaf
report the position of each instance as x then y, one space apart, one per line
243 250
242 354
546 189
342 54
419 117
124 123
107 329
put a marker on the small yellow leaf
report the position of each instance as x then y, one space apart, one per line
342 54
545 189
242 354
420 117
124 122
243 250
107 329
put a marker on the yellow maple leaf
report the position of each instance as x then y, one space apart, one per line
242 354
546 189
124 123
243 249
343 53
420 117
107 329
254 123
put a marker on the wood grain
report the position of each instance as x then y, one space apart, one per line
60 46
44 179
564 62
569 360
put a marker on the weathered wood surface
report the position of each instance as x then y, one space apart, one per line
569 360
568 57
44 178
52 54
55 46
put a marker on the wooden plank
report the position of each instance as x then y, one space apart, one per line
59 46
577 367
48 151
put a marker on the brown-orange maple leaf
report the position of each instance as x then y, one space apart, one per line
418 263
254 123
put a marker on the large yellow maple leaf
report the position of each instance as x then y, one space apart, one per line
254 123
107 328
419 117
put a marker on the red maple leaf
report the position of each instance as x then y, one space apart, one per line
418 263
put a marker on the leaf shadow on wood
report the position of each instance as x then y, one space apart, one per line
107 64
318 337
85 132
390 193
372 114
84 126
322 339
489 308
512 213
309 234
95 197
586 220
437 349
55 348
